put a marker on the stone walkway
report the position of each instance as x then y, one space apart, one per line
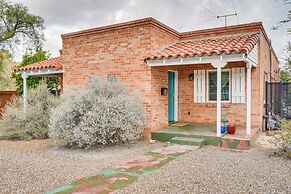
110 180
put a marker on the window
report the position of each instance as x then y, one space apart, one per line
111 78
212 87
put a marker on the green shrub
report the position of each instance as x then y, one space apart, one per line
32 124
284 138
104 113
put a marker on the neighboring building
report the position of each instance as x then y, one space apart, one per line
178 74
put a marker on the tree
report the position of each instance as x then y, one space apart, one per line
285 75
286 20
32 81
17 25
285 72
2 58
6 66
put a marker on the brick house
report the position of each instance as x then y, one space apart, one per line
196 76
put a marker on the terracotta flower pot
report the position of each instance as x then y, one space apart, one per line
231 129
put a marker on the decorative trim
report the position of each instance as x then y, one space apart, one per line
215 60
40 72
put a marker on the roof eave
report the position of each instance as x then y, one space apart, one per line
41 72
224 58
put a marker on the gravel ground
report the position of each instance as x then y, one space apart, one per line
214 170
36 166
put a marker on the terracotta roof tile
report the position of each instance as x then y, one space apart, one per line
227 45
53 63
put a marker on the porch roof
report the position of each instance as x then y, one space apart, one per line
42 68
206 47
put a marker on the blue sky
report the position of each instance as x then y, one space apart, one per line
62 16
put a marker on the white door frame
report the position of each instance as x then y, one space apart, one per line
176 92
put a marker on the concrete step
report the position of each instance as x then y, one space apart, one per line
188 141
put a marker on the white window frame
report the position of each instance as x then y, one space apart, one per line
207 85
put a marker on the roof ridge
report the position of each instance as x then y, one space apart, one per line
223 28
121 25
153 21
219 37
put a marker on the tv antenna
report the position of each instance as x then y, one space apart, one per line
225 17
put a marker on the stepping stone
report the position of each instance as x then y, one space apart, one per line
174 149
110 180
179 124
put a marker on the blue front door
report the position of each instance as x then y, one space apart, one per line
171 96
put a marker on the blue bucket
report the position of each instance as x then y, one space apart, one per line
223 129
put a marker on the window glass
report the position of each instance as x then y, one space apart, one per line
212 81
111 78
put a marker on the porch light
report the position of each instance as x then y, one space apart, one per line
191 77
164 91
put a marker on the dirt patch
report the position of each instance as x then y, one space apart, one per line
266 142
26 146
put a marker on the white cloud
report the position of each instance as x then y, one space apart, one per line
183 15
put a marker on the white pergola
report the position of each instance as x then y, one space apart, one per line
218 62
47 72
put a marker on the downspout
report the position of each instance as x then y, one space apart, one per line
270 46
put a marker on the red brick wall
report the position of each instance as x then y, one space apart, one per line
206 112
159 78
5 97
121 52
264 75
199 112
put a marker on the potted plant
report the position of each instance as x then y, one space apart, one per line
231 129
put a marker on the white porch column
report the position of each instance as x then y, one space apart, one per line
24 78
218 102
218 65
249 89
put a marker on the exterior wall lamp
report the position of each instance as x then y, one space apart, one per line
191 77
164 91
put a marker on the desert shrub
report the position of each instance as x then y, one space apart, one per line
103 113
32 124
284 138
